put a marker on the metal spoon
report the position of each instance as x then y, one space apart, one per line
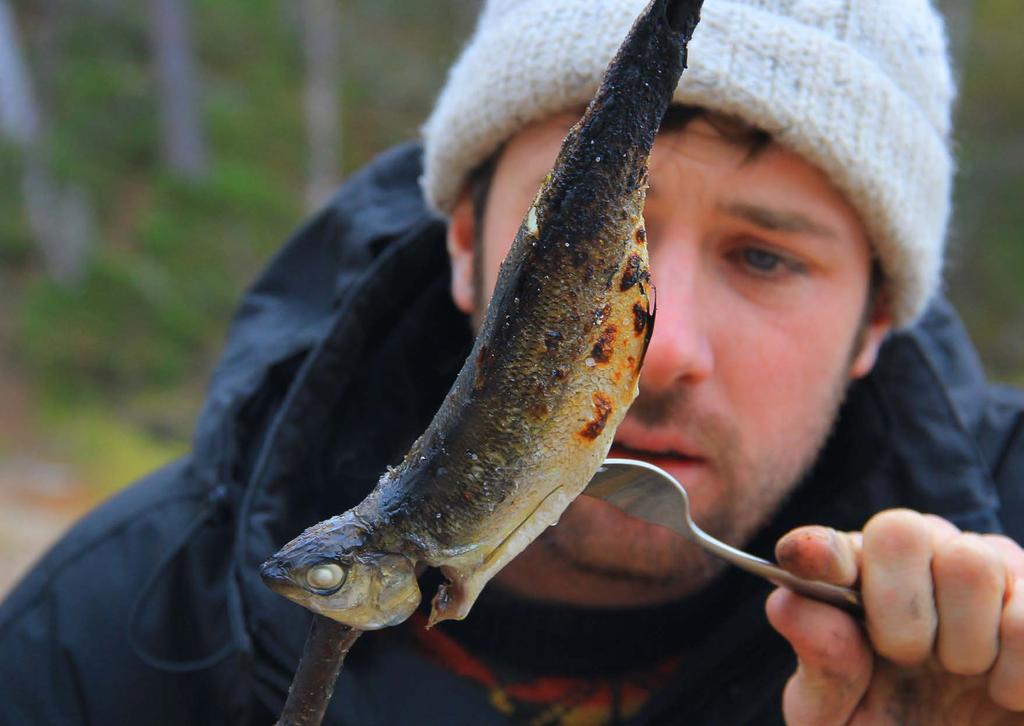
650 493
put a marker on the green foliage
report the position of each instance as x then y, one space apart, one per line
142 314
105 449
172 256
98 91
15 238
121 328
994 98
395 54
987 274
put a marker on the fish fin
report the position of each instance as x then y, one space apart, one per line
651 310
449 602
455 597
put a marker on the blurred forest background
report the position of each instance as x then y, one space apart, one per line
154 154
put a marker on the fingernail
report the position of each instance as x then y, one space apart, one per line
796 553
835 541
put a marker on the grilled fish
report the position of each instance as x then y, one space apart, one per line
554 367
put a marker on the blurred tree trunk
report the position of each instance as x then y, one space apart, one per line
321 98
60 218
19 118
182 141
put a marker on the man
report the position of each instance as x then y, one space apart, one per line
802 371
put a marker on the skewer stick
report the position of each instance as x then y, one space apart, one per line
327 645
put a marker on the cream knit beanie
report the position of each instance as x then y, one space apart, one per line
861 88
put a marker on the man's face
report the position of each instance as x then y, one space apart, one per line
762 274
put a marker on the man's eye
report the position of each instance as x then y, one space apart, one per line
761 261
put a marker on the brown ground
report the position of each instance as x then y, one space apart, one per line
38 502
39 499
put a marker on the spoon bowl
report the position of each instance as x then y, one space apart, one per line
650 493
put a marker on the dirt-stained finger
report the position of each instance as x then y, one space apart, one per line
896 583
820 553
1011 552
970 579
942 529
835 661
1006 680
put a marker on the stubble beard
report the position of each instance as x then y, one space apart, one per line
596 541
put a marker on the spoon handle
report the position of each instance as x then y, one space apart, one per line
842 597
650 493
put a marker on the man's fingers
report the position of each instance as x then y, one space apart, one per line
834 657
820 553
1006 681
927 588
1011 553
942 529
970 578
896 581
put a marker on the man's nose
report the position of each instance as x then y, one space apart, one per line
680 350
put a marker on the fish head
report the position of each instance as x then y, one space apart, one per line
332 570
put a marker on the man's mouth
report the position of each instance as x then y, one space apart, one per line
661 457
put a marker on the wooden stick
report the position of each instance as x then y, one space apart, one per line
327 645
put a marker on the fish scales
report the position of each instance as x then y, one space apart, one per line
554 367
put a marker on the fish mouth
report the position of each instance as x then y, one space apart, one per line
275 576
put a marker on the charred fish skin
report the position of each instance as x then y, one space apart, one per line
555 366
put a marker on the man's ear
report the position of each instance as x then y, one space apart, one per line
462 251
872 337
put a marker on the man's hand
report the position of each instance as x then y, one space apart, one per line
943 634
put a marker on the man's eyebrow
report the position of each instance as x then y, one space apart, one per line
777 220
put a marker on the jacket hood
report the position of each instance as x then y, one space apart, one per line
289 309
340 353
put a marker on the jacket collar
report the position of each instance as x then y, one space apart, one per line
930 391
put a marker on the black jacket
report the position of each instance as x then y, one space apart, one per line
151 611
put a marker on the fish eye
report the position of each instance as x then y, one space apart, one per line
326 578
